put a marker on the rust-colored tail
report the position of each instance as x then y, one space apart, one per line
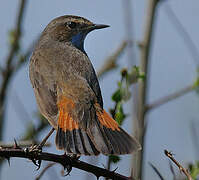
102 135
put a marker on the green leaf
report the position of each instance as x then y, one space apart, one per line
194 170
114 159
117 96
119 114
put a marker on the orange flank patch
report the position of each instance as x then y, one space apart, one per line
65 121
106 120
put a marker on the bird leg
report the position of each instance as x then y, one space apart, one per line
42 143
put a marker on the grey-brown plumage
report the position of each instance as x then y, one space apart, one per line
68 93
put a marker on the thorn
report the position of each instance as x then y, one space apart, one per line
39 164
115 169
16 145
67 174
8 159
97 177
34 162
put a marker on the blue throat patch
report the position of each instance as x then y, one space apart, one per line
78 41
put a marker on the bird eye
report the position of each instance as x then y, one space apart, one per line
72 25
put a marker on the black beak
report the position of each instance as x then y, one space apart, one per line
100 26
97 26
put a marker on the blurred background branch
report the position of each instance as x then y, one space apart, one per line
9 69
170 97
111 61
139 125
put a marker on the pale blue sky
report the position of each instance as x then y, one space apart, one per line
172 68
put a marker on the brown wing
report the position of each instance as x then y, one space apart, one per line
44 88
94 84
84 127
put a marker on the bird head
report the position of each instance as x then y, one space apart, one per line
71 29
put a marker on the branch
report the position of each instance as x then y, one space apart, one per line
110 62
181 168
170 97
145 47
64 160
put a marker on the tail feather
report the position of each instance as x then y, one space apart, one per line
99 134
113 141
99 138
75 142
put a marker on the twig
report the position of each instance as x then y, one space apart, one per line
44 170
157 171
64 160
170 97
145 47
181 168
110 62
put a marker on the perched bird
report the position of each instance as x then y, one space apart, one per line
68 93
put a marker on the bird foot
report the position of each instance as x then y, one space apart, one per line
33 151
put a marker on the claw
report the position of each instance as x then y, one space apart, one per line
34 162
39 164
67 164
68 173
74 156
35 149
115 169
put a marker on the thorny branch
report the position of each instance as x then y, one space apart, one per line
181 168
66 161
